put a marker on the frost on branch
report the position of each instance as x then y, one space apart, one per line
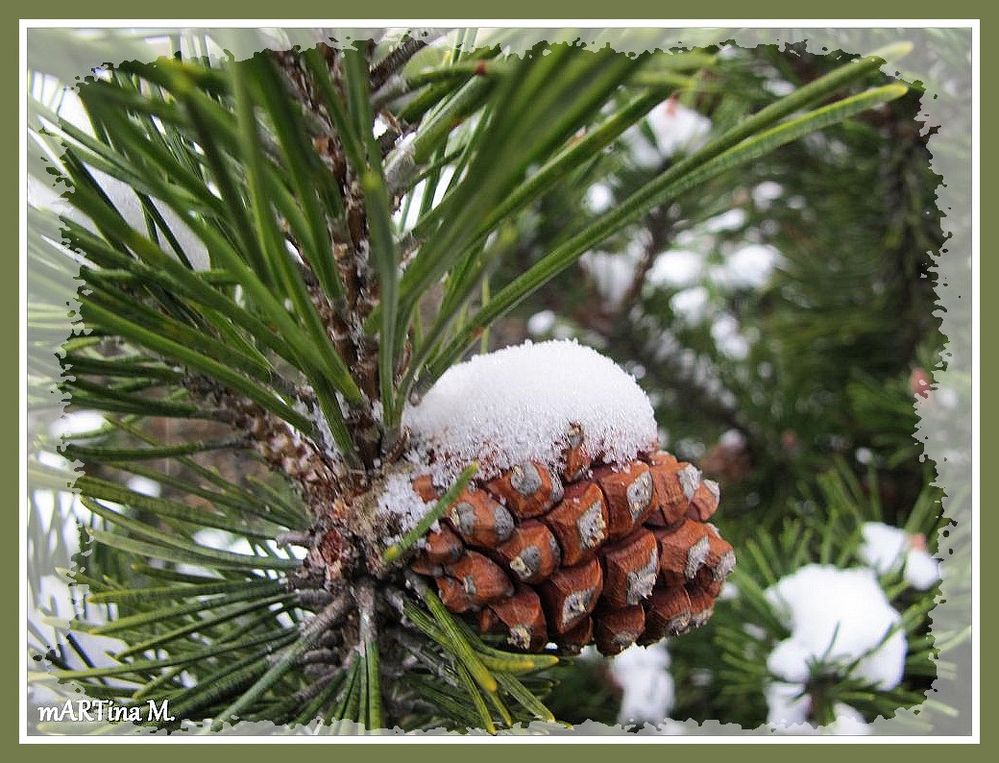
521 404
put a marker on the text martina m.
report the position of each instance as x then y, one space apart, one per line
104 710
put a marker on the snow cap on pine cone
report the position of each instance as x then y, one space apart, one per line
576 529
519 404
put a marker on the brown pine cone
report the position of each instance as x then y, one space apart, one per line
610 554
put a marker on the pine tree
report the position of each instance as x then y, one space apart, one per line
321 235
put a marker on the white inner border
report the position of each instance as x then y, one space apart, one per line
973 24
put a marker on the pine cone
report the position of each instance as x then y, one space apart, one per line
610 554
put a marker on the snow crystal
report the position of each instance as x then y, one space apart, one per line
520 403
836 616
647 686
886 549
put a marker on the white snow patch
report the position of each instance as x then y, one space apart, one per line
888 549
678 128
778 87
541 323
648 688
883 546
849 721
787 705
748 268
520 403
676 268
729 592
733 219
836 616
76 423
644 154
733 438
690 304
675 128
922 571
766 192
788 710
728 338
613 274
599 198
144 486
398 498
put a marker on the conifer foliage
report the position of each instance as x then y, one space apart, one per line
280 256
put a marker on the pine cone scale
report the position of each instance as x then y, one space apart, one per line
532 553
571 594
579 522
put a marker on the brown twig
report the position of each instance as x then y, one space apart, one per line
397 58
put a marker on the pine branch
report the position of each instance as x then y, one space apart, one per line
276 289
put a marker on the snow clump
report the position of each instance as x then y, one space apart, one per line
888 549
648 688
521 403
836 617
